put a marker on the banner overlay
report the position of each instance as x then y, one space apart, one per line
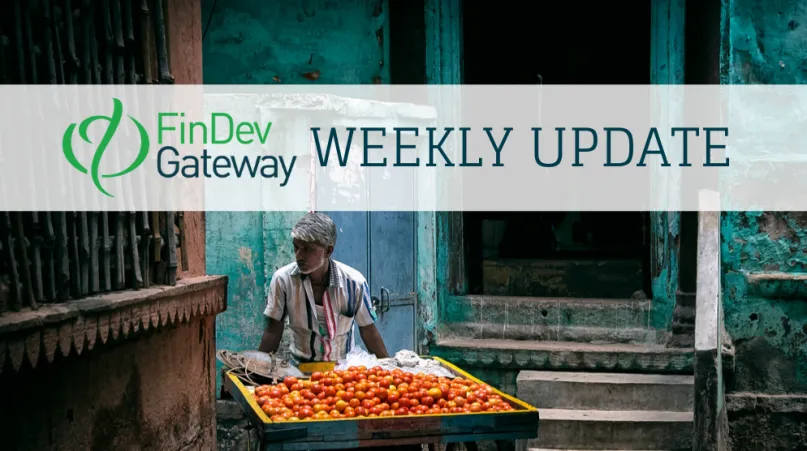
402 147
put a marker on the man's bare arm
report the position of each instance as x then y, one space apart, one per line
271 336
372 339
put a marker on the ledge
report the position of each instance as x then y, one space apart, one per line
78 325
777 285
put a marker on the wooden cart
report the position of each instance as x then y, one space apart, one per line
506 428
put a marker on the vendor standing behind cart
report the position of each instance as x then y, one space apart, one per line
321 297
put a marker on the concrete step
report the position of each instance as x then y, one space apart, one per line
606 391
551 312
543 332
616 430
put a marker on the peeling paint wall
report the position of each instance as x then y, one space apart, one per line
765 307
301 42
766 44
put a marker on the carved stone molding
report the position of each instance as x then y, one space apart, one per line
549 355
74 327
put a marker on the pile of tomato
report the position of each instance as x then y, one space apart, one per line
359 392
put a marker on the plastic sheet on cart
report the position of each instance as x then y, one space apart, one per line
404 360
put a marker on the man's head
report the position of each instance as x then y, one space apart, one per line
314 239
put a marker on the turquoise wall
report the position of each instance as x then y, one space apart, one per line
766 43
260 42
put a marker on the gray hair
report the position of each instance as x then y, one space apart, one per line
316 228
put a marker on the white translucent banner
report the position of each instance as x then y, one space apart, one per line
401 148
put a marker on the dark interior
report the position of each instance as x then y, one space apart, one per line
591 255
560 43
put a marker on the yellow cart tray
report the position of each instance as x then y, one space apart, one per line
517 424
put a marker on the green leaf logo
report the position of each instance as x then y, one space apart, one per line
114 121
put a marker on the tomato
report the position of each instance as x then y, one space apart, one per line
459 401
427 401
367 403
361 411
414 402
275 393
401 411
316 376
393 397
435 393
355 403
476 407
360 395
289 381
341 405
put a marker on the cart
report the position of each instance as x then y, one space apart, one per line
509 429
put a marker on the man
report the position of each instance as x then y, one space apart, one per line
321 297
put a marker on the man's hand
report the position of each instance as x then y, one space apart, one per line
372 340
271 336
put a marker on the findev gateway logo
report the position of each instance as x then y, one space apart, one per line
112 127
192 166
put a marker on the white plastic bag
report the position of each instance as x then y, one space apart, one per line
403 360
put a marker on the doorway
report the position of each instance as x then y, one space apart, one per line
557 254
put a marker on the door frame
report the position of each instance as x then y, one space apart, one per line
440 243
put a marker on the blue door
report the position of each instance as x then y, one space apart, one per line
382 246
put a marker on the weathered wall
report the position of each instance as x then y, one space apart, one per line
766 312
251 41
154 393
184 28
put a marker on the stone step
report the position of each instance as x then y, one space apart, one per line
563 278
543 332
616 430
568 356
550 312
606 391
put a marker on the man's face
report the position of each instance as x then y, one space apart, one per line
311 256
